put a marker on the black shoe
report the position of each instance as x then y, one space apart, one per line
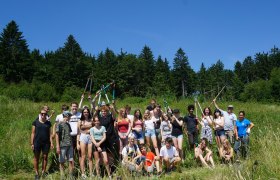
37 177
44 175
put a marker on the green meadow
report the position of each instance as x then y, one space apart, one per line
16 155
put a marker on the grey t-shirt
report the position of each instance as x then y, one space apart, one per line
165 126
230 120
64 129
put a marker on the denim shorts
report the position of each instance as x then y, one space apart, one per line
85 138
66 153
179 137
138 135
150 133
220 132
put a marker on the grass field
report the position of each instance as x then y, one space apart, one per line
16 155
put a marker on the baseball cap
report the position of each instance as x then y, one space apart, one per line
230 106
66 114
176 111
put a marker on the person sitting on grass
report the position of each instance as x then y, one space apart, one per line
169 155
64 146
132 157
152 161
226 151
202 149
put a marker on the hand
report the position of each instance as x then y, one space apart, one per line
83 96
53 112
57 150
32 146
89 96
97 145
111 106
96 108
214 100
248 130
99 149
52 146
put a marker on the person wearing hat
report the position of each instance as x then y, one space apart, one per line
191 125
177 131
64 146
230 119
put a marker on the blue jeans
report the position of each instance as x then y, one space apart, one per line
241 146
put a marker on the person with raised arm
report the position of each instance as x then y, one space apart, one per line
191 125
206 123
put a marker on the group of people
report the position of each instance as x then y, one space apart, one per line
149 143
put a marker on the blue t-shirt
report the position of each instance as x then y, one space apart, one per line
242 127
97 133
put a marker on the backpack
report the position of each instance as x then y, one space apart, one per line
135 149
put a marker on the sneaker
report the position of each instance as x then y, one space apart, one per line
110 177
44 174
83 176
37 177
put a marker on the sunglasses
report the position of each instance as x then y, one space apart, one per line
43 114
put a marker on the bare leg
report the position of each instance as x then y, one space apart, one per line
97 160
83 157
45 162
180 145
105 161
154 140
36 162
90 157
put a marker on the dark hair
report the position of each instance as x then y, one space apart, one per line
190 107
140 115
64 107
149 108
89 114
243 112
74 103
127 107
217 110
210 112
205 140
169 140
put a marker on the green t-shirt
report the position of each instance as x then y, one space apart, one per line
64 129
97 133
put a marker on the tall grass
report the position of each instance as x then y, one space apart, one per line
16 155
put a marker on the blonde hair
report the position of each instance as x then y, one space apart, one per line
120 118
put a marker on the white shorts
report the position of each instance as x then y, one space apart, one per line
85 138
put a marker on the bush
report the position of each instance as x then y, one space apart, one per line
257 91
71 94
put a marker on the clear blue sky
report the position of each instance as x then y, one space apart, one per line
206 30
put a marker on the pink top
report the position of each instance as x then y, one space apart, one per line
138 124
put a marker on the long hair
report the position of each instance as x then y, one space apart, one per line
135 118
120 118
89 114
217 110
210 112
149 116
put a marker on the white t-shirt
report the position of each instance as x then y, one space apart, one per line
131 152
130 117
74 123
149 124
230 120
59 118
168 153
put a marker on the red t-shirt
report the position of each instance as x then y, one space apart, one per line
123 126
150 156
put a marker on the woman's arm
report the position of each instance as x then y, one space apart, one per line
103 138
180 122
129 127
32 137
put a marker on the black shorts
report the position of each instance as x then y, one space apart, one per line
102 146
38 147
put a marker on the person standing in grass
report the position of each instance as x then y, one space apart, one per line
191 125
165 127
150 133
137 127
242 131
59 118
41 141
123 125
98 137
203 154
169 155
230 119
218 124
85 145
64 146
206 123
226 152
177 131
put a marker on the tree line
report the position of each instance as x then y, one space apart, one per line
61 75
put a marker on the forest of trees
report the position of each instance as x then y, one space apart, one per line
61 75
